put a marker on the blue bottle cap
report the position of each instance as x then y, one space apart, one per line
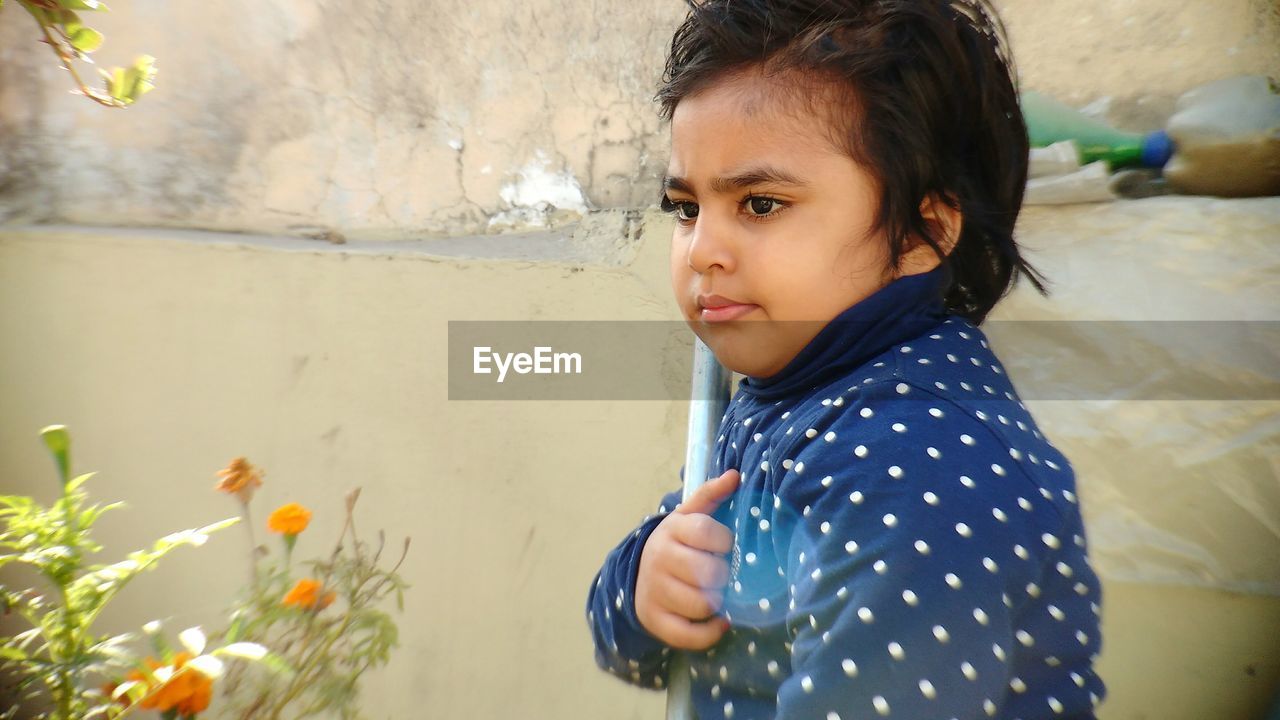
1157 148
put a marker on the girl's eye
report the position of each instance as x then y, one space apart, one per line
683 210
762 205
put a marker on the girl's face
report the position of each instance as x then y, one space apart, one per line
771 217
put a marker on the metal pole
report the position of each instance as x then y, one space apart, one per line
706 408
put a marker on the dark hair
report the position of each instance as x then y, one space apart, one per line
925 96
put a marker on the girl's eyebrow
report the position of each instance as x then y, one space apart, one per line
747 178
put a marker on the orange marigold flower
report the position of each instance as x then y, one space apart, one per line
239 478
186 690
306 595
289 519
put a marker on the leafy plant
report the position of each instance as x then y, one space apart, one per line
72 41
61 650
323 623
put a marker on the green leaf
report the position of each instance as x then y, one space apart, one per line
58 440
12 653
82 5
85 39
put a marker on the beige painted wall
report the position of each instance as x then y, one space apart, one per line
408 119
169 352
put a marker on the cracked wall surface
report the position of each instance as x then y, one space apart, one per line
407 119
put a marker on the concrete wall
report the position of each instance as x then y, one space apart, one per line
408 119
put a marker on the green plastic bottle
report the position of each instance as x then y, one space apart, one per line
1049 121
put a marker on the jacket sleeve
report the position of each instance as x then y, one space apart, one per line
622 646
900 549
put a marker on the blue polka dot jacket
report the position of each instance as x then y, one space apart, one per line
908 543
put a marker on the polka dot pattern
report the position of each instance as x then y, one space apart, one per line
907 543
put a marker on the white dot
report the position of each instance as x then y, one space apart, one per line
751 558
826 481
966 439
933 453
998 514
866 412
967 481
764 526
787 463
882 705
855 497
1025 638
968 671
850 667
926 689
995 468
806 682
799 467
931 498
1082 638
899 427
953 580
1057 613
922 547
728 709
989 707
895 472
865 615
895 651
842 593
963 530
940 386
764 604
816 574
825 527
773 668
1077 679
1013 453
1020 551
833 715
860 451
1024 503
890 520
1051 541
811 433
1055 705
980 616
829 436
879 566
1033 590
851 547
990 564
941 633
903 388
998 652
1064 569
910 598
935 412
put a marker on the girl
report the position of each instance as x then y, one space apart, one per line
889 532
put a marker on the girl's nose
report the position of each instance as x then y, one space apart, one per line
711 244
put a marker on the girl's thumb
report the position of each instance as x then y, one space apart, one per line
709 496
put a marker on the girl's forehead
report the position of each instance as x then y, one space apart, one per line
788 107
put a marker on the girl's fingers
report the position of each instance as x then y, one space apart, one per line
711 493
702 532
684 634
688 601
699 569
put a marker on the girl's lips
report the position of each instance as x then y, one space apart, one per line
726 313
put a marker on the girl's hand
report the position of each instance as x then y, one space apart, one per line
680 583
